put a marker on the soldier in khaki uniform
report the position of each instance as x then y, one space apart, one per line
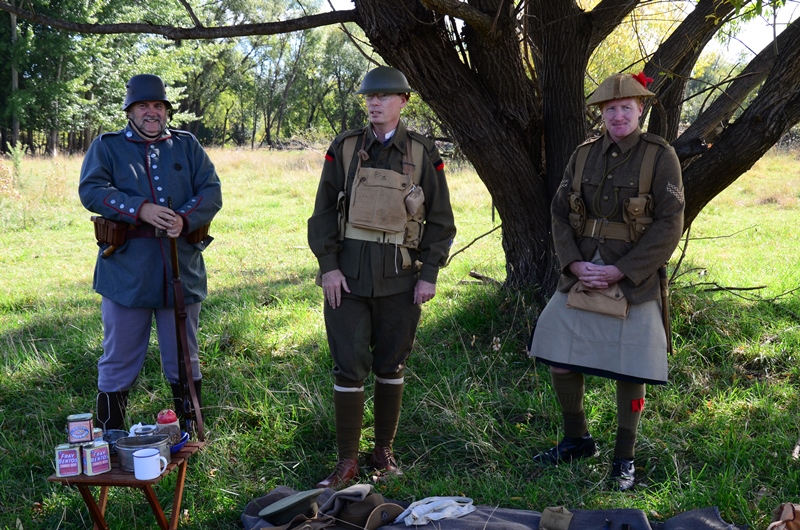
379 254
611 237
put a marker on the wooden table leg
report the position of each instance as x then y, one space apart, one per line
155 506
102 502
178 498
95 512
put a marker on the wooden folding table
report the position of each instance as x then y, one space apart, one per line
118 478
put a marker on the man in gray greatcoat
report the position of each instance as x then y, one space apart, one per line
131 176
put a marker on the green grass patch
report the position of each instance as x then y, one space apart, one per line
475 410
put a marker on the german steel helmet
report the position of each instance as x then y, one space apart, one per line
621 86
384 80
145 87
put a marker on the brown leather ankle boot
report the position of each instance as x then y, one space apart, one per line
383 460
346 471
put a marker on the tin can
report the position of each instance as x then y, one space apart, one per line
97 433
96 458
68 460
80 428
145 430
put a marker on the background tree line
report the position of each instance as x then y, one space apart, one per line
506 79
248 91
251 91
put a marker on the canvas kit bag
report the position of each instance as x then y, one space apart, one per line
610 301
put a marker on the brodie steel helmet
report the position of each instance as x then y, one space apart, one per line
621 86
384 80
145 87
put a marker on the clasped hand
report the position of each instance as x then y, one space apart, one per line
596 276
334 281
162 218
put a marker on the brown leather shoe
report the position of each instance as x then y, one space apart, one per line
346 470
383 460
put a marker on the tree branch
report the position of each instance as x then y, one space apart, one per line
720 111
480 22
672 64
189 10
176 33
769 116
606 16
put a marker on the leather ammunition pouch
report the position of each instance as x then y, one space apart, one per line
115 233
110 232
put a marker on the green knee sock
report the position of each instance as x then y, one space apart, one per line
630 403
569 389
388 399
349 410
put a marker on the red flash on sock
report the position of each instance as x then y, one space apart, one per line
637 405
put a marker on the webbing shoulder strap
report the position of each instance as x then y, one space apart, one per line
417 153
647 169
580 163
645 172
348 148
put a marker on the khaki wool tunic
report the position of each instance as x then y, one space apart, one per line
634 348
375 269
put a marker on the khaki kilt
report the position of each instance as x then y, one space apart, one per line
631 349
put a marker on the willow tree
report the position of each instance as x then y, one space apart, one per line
507 79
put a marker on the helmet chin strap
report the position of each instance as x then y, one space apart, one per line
145 135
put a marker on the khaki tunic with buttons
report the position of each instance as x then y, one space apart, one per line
633 348
375 269
377 329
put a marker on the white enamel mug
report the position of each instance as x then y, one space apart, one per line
148 463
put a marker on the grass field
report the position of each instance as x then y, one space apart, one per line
475 409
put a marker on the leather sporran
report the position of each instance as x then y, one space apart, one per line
610 301
785 517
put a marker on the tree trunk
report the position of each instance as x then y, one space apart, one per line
14 79
494 123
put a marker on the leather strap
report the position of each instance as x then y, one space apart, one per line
183 345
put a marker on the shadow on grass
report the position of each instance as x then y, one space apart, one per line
475 409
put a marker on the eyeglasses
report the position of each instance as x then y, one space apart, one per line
381 97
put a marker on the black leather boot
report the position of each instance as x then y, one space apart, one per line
111 407
623 474
567 450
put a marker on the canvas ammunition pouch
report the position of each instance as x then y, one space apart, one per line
385 206
115 233
637 211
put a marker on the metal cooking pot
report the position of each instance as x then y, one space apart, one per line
127 446
112 435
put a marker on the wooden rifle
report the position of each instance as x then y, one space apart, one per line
191 405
